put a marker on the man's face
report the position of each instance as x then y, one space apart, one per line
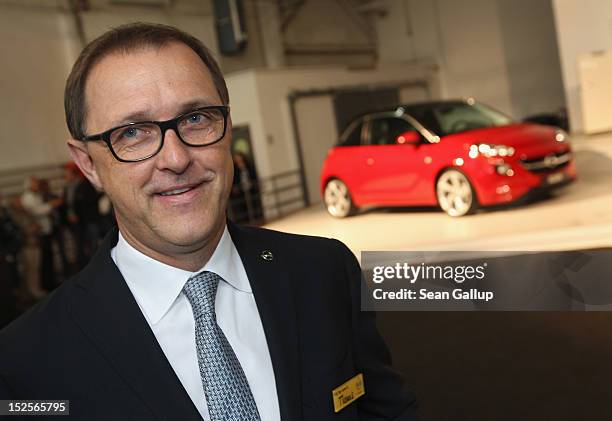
155 85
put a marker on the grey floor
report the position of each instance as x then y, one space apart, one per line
578 216
505 366
498 365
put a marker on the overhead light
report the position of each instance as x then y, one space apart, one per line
159 3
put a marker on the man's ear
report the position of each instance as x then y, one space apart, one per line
80 156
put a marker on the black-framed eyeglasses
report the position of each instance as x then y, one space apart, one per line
134 142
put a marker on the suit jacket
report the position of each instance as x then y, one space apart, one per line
84 204
89 342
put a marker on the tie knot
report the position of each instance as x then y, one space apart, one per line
201 291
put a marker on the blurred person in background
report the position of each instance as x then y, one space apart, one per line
30 250
81 214
245 196
8 310
11 242
49 277
41 211
107 215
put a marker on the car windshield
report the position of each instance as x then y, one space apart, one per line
455 117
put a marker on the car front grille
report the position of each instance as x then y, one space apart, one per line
547 163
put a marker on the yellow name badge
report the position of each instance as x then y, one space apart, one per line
348 392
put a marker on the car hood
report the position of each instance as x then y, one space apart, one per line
528 140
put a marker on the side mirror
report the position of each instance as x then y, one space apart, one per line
408 138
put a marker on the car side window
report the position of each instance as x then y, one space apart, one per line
385 130
353 138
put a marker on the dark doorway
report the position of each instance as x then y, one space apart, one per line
352 103
245 199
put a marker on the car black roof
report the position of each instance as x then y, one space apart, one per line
421 111
415 107
420 106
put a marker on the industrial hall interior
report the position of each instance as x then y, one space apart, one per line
390 125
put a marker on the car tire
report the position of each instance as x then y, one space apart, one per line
337 198
455 193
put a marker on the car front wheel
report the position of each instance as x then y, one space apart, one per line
338 199
455 194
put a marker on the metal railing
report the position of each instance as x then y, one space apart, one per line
12 181
270 198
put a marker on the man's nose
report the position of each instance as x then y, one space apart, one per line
174 155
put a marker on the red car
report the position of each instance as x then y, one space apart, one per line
458 155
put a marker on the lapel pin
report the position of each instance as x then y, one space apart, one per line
267 255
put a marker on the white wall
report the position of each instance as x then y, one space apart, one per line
329 32
463 37
272 130
408 32
38 45
595 72
473 62
502 52
318 131
532 56
35 56
582 27
191 16
245 108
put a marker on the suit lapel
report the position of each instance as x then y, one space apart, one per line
275 301
108 315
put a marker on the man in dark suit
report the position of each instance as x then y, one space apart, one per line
182 315
80 215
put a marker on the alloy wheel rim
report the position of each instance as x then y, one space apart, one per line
337 198
454 193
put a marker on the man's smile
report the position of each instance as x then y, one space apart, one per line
177 190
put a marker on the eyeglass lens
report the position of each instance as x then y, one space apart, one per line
138 141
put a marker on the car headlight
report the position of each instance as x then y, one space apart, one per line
490 151
504 169
561 136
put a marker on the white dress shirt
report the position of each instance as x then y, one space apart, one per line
157 288
39 209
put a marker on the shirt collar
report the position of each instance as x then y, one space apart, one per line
156 285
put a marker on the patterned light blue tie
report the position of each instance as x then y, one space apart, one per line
227 391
